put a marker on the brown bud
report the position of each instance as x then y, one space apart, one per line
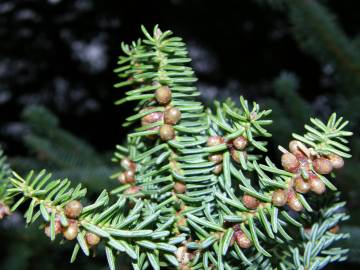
163 95
279 198
317 185
167 132
122 178
132 190
58 228
294 203
218 169
322 165
179 187
4 210
301 185
236 227
289 162
92 239
298 148
242 240
240 143
216 158
335 229
151 117
71 231
73 209
236 155
172 116
336 161
250 202
129 176
215 140
128 164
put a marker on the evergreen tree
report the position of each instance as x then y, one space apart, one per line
196 188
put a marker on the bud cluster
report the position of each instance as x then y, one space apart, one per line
236 147
307 165
70 228
240 238
128 176
170 116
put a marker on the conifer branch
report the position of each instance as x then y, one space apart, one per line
196 191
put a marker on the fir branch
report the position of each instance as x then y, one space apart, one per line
195 190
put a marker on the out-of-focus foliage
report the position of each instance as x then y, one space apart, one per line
60 151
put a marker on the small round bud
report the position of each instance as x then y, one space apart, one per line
336 161
322 165
289 162
279 198
167 132
294 203
132 190
215 140
216 158
4 210
73 209
242 240
236 155
240 143
163 95
122 178
218 169
179 187
317 185
250 202
301 185
298 148
71 231
129 176
172 116
92 239
128 164
236 227
58 228
335 229
151 117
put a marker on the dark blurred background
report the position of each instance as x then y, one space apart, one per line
299 57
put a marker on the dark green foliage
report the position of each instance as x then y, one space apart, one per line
317 32
4 178
60 151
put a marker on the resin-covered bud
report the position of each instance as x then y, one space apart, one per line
172 116
163 95
73 209
167 132
279 198
322 165
289 162
240 143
